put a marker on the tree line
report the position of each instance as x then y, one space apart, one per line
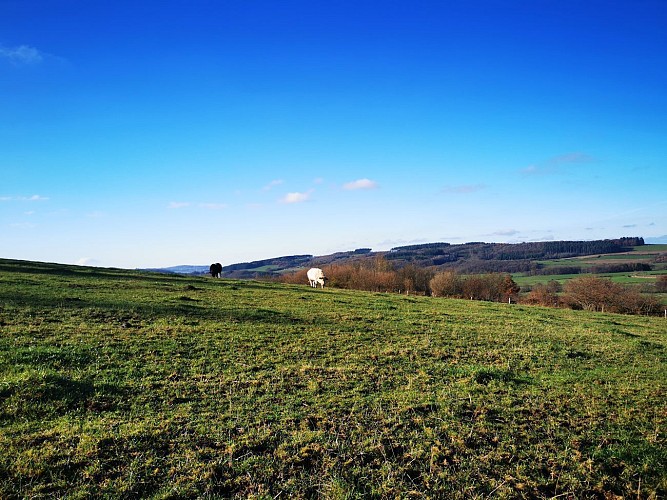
631 267
480 257
586 292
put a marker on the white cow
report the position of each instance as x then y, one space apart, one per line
315 276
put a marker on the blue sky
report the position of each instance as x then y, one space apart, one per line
145 134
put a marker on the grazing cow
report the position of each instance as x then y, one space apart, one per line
216 270
315 276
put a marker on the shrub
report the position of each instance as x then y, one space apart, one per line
599 294
544 295
446 284
296 278
492 287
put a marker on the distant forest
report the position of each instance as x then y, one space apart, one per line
468 258
504 257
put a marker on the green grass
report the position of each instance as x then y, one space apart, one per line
633 278
124 384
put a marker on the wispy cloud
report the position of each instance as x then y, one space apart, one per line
506 232
360 184
34 197
272 184
213 206
393 243
543 238
464 189
176 205
291 198
555 165
23 54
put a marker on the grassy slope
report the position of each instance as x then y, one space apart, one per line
123 384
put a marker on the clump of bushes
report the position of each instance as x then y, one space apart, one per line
545 295
495 287
585 292
661 284
591 293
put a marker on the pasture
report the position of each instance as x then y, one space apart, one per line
125 384
646 254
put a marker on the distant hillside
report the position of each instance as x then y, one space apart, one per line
474 257
479 257
186 269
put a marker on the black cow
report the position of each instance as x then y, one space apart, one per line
216 270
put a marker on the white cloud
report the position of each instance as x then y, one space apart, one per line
291 198
23 54
360 184
179 204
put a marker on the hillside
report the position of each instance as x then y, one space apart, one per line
474 257
131 384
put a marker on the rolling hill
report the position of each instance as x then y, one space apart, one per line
127 384
477 257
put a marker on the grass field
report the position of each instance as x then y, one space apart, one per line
123 384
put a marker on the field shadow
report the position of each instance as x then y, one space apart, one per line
50 357
126 313
485 376
49 395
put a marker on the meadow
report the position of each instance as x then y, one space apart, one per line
127 384
646 254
